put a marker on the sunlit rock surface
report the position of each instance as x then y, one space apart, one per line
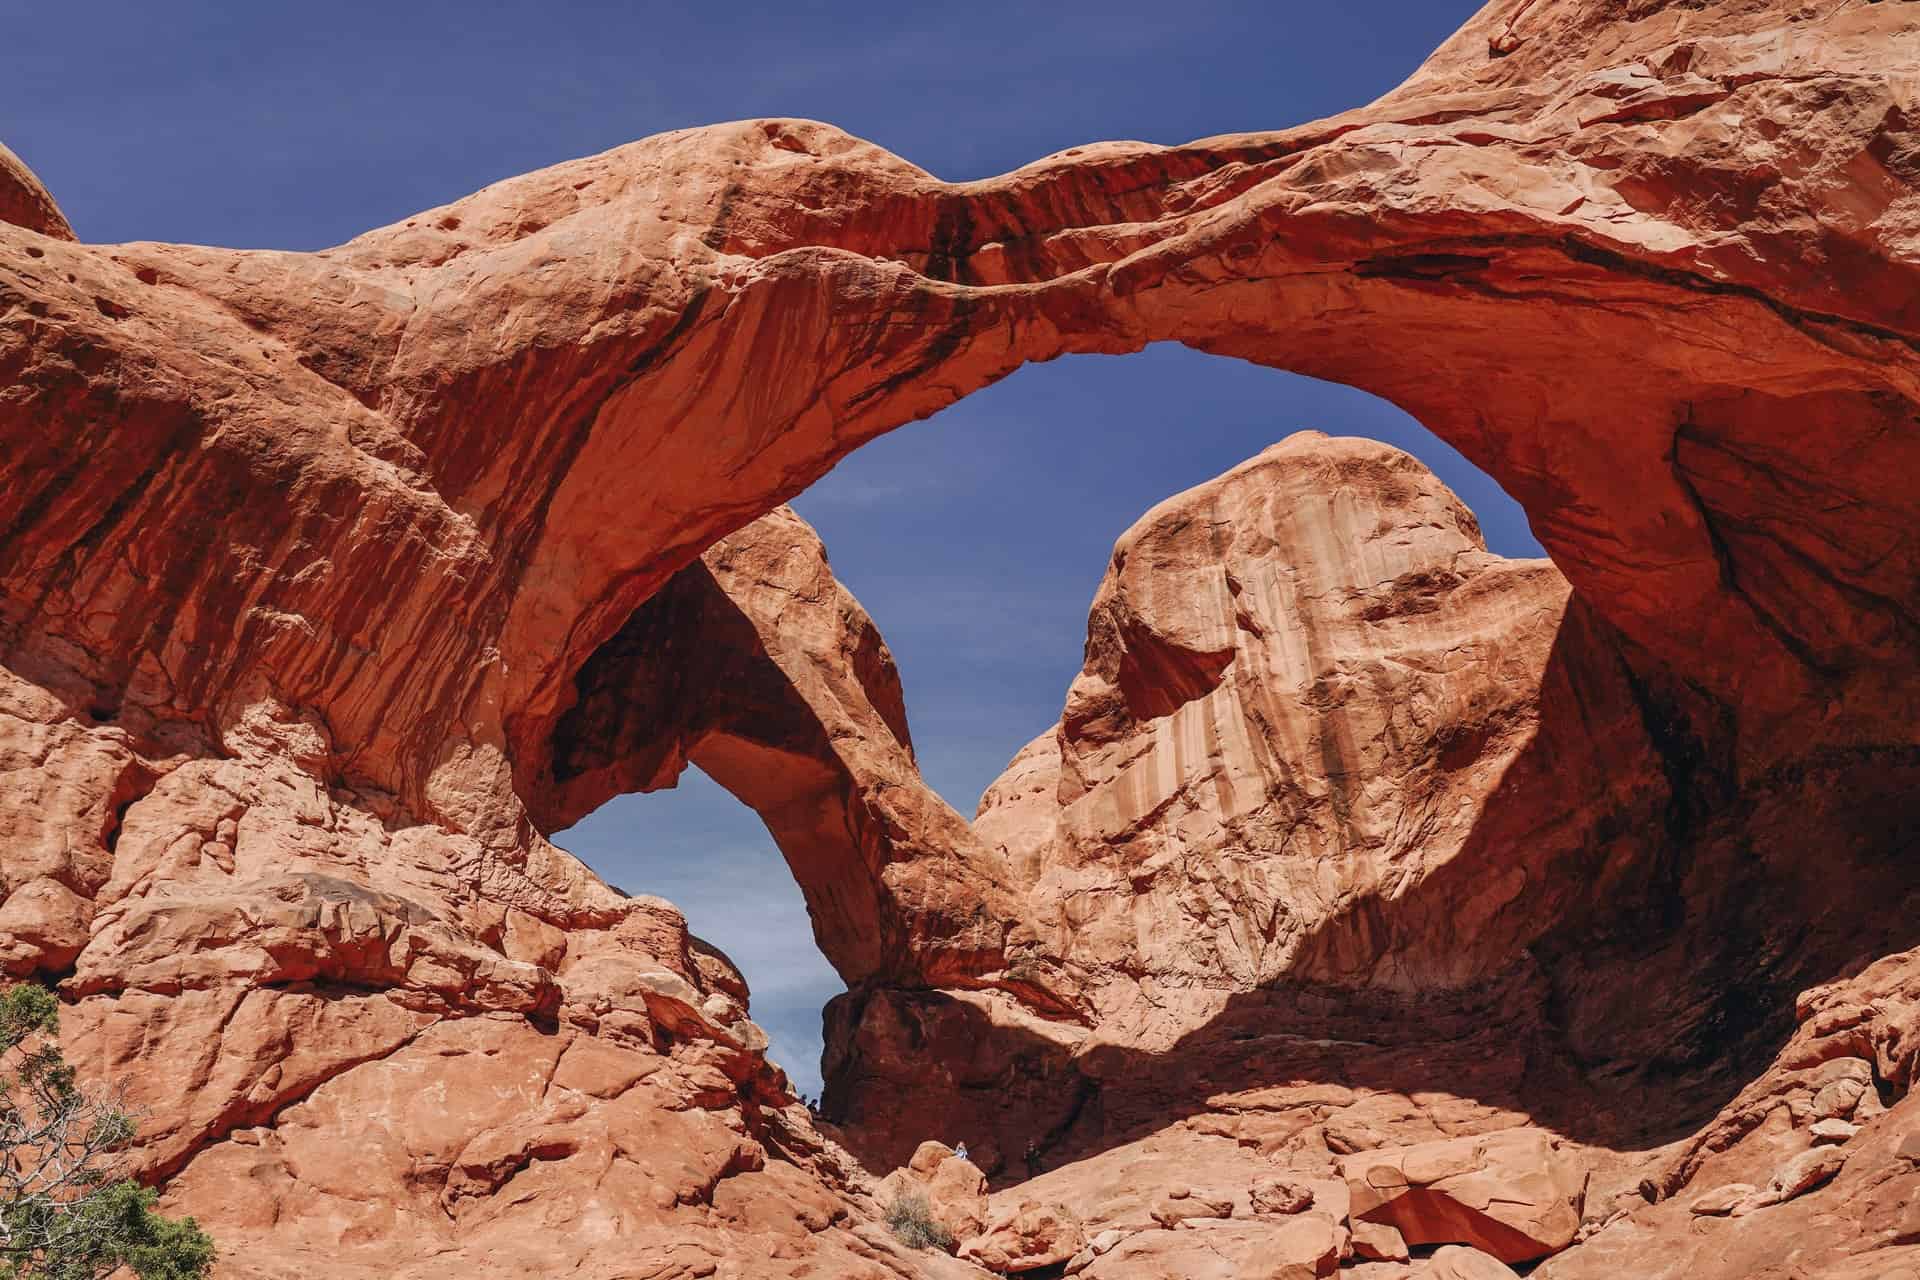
329 582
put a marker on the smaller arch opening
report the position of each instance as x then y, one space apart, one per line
697 846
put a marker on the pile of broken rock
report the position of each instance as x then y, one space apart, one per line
1507 1197
1467 1208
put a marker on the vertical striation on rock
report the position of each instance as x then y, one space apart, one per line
1323 742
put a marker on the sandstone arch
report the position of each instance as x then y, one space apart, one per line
516 417
542 383
486 436
756 664
1652 266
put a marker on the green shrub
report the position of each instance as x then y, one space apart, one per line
63 1213
911 1220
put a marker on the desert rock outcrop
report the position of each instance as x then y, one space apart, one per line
1323 739
330 582
25 200
1509 1194
755 664
363 1045
954 1189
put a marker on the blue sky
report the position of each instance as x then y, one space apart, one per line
976 538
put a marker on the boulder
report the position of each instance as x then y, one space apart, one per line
1796 1177
1378 1242
43 923
957 1194
1837 1099
954 1189
1456 1262
1179 1205
1722 1200
1281 1195
1034 1235
1832 1131
1100 1243
1513 1194
929 1156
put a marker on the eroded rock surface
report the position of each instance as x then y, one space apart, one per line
1510 1194
755 664
954 1189
1323 741
25 200
330 582
367 1045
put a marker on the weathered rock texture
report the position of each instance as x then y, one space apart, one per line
1511 1194
25 200
1305 683
1303 680
329 582
755 664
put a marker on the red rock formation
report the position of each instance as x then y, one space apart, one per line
1511 1194
1488 705
26 202
1304 681
757 665
1031 1237
954 1189
315 568
365 1045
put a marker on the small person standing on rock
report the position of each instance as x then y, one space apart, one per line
961 1151
1033 1157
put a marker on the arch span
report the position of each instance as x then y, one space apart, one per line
1685 343
755 664
1652 266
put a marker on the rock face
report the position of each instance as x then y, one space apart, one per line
330 582
367 1047
953 1187
1029 1238
25 200
1303 679
1323 739
1510 1194
755 664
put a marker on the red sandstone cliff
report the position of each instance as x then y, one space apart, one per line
1365 850
328 582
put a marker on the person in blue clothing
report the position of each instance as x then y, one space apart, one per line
961 1151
